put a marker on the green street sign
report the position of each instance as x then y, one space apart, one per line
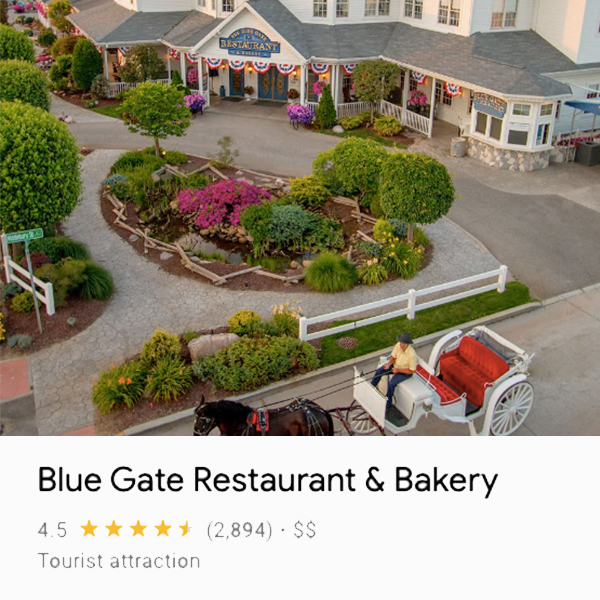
24 236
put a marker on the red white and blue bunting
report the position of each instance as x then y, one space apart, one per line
192 58
261 67
286 69
174 54
420 78
319 68
452 88
349 69
214 63
237 65
124 49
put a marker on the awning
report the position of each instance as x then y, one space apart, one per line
588 107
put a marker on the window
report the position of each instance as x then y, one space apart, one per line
319 8
441 95
449 12
495 128
504 13
384 8
521 110
412 84
227 6
413 9
593 90
200 3
341 8
519 138
471 97
546 110
374 8
370 8
481 123
489 126
542 134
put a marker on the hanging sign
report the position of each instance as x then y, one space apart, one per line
261 67
237 65
192 58
319 68
249 42
420 78
488 104
174 54
286 69
214 63
452 88
349 69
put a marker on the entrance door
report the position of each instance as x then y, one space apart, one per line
236 83
272 85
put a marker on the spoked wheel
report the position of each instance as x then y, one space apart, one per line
295 124
360 421
512 409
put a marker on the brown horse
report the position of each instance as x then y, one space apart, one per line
301 417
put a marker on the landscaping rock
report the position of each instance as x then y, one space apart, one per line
194 259
279 182
338 129
206 345
204 231
134 238
165 256
294 265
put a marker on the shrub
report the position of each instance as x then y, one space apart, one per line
244 322
220 202
256 220
420 238
10 289
46 38
133 159
373 272
291 225
326 235
325 115
285 319
114 180
40 170
251 363
349 123
23 302
20 80
387 127
141 63
139 183
400 228
161 345
64 46
60 72
324 170
375 207
123 385
188 336
383 230
370 249
97 282
14 45
168 379
59 247
226 156
331 273
58 11
309 192
176 80
23 342
38 259
196 181
175 158
66 276
99 86
400 258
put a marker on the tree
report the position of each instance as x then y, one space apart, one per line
40 170
58 11
86 64
3 12
357 163
60 73
20 80
64 46
416 189
141 63
14 44
157 111
374 81
325 115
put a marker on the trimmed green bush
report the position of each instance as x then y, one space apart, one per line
256 220
291 225
86 64
97 283
14 45
162 344
99 86
244 322
172 157
64 46
383 230
168 379
60 73
387 127
20 80
309 192
59 247
375 207
324 170
325 115
23 302
349 123
46 38
136 158
331 273
123 385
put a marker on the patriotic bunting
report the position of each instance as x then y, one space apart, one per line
261 67
452 88
237 65
214 63
174 54
192 58
124 49
319 68
285 69
349 69
420 78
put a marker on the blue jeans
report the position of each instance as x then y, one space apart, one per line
395 379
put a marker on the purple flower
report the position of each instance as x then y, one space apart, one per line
194 102
302 114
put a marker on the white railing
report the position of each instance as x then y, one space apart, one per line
312 105
411 307
352 109
122 86
408 118
46 295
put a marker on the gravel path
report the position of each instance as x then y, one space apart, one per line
148 298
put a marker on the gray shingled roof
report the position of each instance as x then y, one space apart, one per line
145 27
191 30
99 18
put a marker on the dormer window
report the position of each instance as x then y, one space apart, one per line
413 9
320 8
449 12
504 13
227 6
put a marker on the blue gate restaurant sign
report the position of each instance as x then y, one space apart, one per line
249 42
490 105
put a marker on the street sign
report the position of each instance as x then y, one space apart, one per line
24 236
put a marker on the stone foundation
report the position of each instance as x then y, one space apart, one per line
509 160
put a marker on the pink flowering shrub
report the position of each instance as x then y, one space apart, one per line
192 76
221 202
319 86
417 98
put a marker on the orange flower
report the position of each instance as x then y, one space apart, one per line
122 380
128 381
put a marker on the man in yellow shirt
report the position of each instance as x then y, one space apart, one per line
401 365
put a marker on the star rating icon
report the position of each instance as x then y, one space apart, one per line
137 529
163 529
89 529
113 529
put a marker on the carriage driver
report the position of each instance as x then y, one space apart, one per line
401 366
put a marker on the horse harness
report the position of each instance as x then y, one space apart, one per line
260 419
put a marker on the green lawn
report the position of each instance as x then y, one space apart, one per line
110 111
367 134
383 335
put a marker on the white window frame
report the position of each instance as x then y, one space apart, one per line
488 126
518 112
441 95
592 90
227 6
547 105
547 127
320 9
342 8
377 8
503 18
449 13
413 9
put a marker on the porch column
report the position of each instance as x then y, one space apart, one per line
205 93
335 80
302 83
432 107
405 89
182 67
105 60
169 66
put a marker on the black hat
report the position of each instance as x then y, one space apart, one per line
405 338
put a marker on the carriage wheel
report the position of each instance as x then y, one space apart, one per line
360 421
512 409
295 124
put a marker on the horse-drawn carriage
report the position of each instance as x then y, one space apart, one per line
476 375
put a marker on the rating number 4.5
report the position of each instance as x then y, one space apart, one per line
61 531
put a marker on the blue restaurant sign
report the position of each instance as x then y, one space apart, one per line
490 105
249 42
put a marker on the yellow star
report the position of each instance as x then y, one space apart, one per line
163 529
184 528
113 529
138 529
89 528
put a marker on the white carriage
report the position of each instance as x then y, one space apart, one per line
469 376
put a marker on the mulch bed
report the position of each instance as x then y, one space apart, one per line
77 100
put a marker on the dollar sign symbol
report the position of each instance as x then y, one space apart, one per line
311 531
298 533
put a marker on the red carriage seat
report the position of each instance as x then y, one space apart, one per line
469 367
447 395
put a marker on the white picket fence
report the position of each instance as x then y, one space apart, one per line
122 86
352 109
43 290
411 307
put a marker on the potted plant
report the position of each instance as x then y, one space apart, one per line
292 95
318 87
248 91
417 101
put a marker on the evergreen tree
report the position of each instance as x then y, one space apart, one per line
325 115
86 64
